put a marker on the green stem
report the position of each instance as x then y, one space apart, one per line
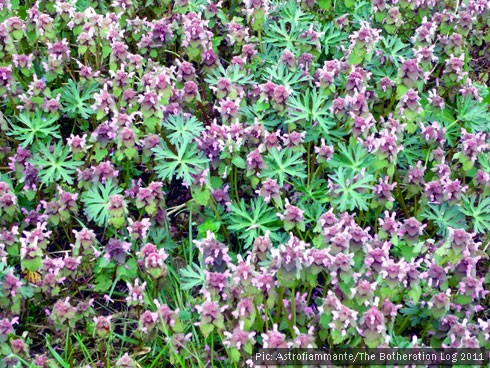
426 329
235 182
212 349
277 317
309 163
400 198
451 125
223 227
293 307
403 326
259 34
266 317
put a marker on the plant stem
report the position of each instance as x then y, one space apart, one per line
309 163
400 198
426 329
223 228
277 317
235 182
293 306
212 349
403 326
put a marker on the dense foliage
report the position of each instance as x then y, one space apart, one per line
182 182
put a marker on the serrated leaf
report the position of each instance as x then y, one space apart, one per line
351 190
239 162
96 201
252 221
55 164
181 129
283 164
192 276
181 165
34 128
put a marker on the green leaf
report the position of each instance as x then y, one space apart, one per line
182 129
353 156
284 163
185 315
479 212
476 116
211 225
103 283
181 165
100 154
308 108
77 98
239 162
33 265
27 291
357 55
414 293
36 128
129 271
201 196
96 201
251 222
351 190
54 164
192 276
325 4
444 216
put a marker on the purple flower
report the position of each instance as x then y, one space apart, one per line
291 258
103 325
117 250
239 338
214 253
136 293
412 229
440 303
372 327
383 189
7 327
273 339
270 190
292 216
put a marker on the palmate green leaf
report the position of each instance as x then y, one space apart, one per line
234 73
182 129
292 13
54 163
353 156
34 128
476 116
353 191
96 201
332 37
280 74
308 108
394 49
187 161
252 221
478 211
192 276
313 191
76 98
484 161
265 117
281 164
444 216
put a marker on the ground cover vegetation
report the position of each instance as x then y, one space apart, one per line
182 182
